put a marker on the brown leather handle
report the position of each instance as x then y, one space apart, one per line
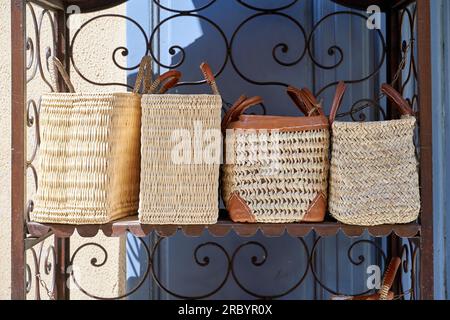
389 277
250 102
165 82
209 77
238 109
296 96
314 105
337 101
305 101
226 119
397 99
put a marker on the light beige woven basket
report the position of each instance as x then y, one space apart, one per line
374 171
89 161
179 177
276 168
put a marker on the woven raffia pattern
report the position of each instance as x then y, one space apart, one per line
374 176
89 158
179 192
277 174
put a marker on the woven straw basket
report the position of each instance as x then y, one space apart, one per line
276 168
374 171
180 189
90 155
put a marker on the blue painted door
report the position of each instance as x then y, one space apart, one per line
440 10
303 45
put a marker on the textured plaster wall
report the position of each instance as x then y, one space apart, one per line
5 146
92 53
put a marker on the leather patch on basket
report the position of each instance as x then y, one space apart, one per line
317 209
282 124
239 210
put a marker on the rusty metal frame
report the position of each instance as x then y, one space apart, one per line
21 239
426 148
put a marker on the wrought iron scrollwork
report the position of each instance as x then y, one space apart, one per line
34 47
42 265
260 262
176 49
409 255
40 274
37 66
230 43
204 262
257 260
360 260
96 264
280 47
267 10
123 50
181 11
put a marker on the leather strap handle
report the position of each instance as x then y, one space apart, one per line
305 101
314 105
296 96
165 82
145 76
337 101
389 277
226 119
209 77
250 102
397 99
238 109
62 71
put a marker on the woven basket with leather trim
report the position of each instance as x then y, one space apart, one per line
374 170
89 154
276 168
178 184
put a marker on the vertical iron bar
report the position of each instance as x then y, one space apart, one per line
62 246
394 38
394 53
18 151
426 149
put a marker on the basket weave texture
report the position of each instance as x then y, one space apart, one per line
172 192
177 193
277 172
374 172
89 158
282 193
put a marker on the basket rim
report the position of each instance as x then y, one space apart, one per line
373 123
99 94
178 95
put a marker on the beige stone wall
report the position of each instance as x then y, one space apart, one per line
92 54
5 145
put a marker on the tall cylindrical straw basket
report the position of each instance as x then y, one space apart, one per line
181 149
